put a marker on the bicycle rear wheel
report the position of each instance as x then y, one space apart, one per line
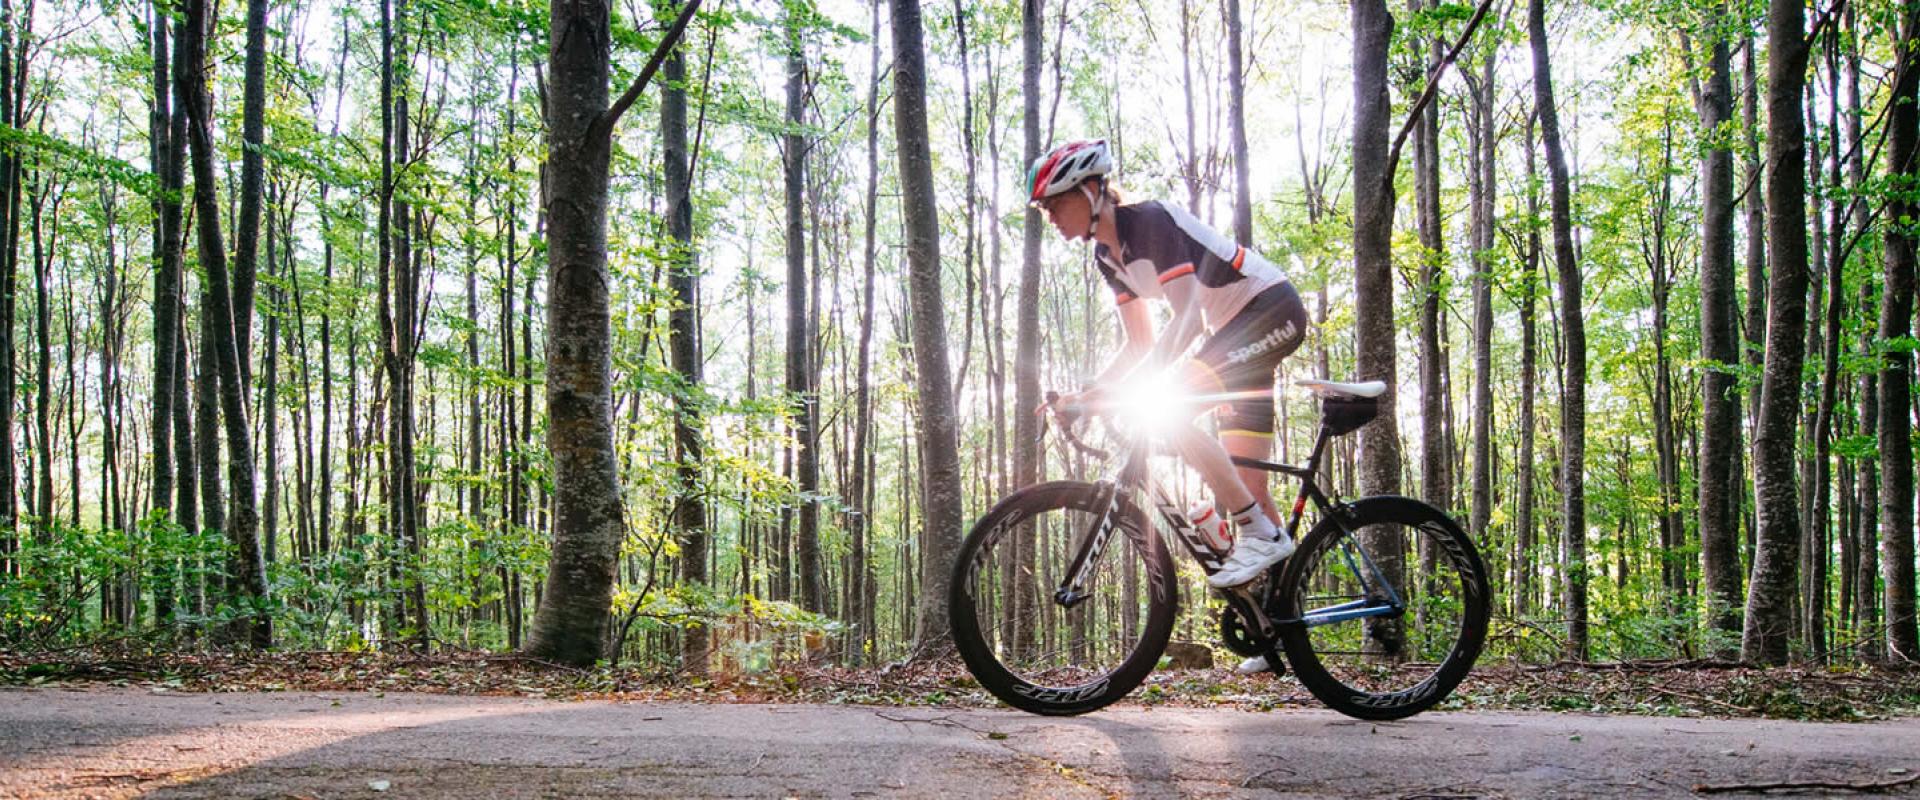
1384 622
1029 650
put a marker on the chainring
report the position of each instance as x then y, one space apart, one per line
1236 636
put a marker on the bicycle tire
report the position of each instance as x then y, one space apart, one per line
982 657
1297 579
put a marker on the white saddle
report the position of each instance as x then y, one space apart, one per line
1325 388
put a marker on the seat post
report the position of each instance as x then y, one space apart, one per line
1320 441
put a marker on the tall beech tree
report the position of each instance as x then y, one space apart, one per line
938 439
195 97
1769 615
13 35
1573 336
1374 339
805 460
1436 468
861 584
1719 342
1237 125
168 156
1027 353
246 238
1482 192
575 609
689 512
1896 363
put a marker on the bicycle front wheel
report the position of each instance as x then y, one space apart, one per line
1384 621
1024 646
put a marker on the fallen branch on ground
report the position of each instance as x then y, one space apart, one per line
1837 786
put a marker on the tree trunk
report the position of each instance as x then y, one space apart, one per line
1529 380
196 100
689 510
1027 357
43 454
939 443
399 295
1720 349
1814 596
1189 160
270 437
1237 127
168 157
1374 337
1769 622
246 236
1755 314
1434 470
1482 190
806 460
10 114
1896 367
1867 524
1666 447
1573 399
571 624
860 522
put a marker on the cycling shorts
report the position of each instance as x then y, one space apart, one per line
1242 356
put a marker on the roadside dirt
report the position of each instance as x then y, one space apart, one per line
139 741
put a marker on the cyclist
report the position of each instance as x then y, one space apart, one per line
1251 314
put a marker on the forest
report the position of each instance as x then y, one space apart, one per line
694 335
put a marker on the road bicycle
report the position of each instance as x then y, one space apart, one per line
1064 594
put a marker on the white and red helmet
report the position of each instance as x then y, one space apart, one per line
1066 166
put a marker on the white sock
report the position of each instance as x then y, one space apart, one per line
1254 522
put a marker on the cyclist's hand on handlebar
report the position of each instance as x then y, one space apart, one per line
1071 406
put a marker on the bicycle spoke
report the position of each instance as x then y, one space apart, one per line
1394 610
1033 636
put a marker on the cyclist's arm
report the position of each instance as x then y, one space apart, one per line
1183 293
1138 324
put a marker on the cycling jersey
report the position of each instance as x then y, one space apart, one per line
1159 243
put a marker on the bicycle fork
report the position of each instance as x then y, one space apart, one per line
1073 588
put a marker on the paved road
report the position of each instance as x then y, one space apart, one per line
127 742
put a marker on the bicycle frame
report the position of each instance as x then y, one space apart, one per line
1133 476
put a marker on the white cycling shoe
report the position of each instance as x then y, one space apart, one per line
1250 558
1253 666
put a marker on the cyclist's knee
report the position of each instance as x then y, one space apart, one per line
1200 378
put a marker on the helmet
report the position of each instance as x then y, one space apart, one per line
1066 166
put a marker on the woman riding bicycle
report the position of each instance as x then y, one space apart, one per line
1251 314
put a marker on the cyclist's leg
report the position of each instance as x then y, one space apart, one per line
1257 445
1247 429
1206 454
1240 360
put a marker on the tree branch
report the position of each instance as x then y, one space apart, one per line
1839 786
602 127
1433 87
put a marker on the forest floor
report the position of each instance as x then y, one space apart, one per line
1838 693
151 740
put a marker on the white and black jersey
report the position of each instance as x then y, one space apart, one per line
1159 243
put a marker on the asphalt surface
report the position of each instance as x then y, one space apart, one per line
139 742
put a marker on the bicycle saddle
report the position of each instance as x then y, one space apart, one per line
1324 388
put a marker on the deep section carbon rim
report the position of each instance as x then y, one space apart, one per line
1392 616
1029 649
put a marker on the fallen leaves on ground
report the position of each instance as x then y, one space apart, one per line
1679 688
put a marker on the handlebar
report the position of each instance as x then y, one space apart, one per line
1068 416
